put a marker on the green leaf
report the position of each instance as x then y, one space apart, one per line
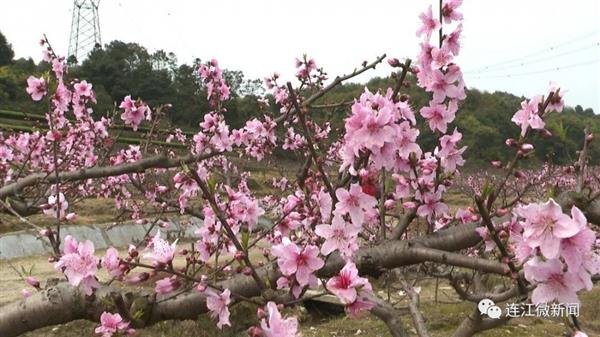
138 314
486 190
245 239
212 183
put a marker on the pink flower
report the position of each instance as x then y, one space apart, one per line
111 324
275 326
25 293
375 128
552 282
431 204
485 235
378 124
167 285
406 141
449 12
521 249
359 306
556 103
324 201
451 42
340 235
216 87
111 262
32 282
429 24
545 225
79 264
575 248
56 205
439 116
83 88
70 245
58 67
445 84
162 252
354 202
528 115
302 262
347 284
465 216
580 334
218 306
244 208
440 57
450 156
36 87
133 112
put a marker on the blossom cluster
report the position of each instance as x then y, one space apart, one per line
557 250
435 70
216 87
134 112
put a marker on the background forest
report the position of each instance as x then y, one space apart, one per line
118 69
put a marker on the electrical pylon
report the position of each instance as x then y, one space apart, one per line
85 29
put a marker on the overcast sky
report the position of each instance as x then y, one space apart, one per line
262 36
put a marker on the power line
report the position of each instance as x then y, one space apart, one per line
545 50
537 60
574 65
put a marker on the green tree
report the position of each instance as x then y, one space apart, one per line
6 51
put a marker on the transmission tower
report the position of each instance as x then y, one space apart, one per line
85 28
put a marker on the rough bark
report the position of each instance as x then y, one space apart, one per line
475 323
158 161
62 303
390 316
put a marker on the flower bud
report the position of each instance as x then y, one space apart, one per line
510 142
32 282
239 256
503 234
260 312
546 133
389 204
71 216
132 250
254 331
137 278
589 137
526 147
394 62
409 205
123 267
25 293
501 212
496 163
